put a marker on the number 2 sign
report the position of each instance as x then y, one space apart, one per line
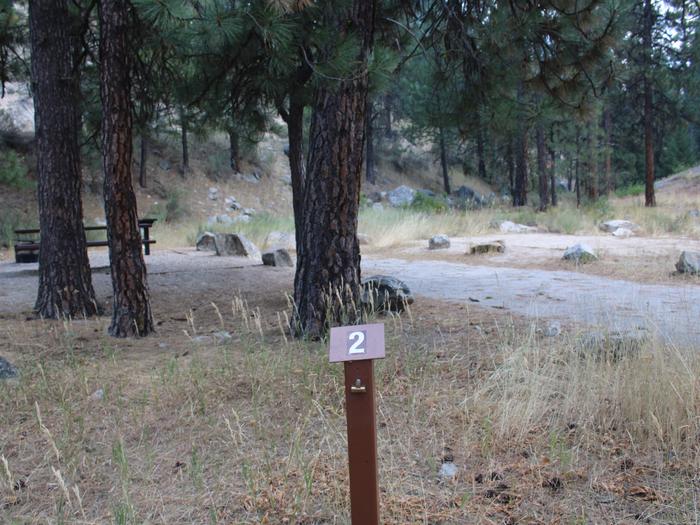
353 343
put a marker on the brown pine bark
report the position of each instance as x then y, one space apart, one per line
521 177
327 281
370 173
607 124
65 282
234 150
480 150
592 160
542 177
649 196
443 163
185 143
144 159
131 314
295 128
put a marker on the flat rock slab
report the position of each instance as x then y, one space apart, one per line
7 369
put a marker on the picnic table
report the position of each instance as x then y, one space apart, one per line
27 245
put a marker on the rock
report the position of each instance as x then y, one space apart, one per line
401 196
689 262
17 114
611 226
580 253
213 193
467 195
364 239
385 293
253 178
448 470
623 233
222 336
439 242
279 257
276 240
235 244
553 329
376 196
487 247
164 165
231 203
97 395
694 213
511 227
221 219
7 369
377 206
241 218
206 242
248 211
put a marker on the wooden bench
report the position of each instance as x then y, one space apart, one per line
27 245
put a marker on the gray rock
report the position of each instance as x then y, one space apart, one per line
231 203
235 244
222 336
623 233
385 293
376 196
7 369
248 211
694 213
689 262
284 240
253 178
511 227
553 329
401 196
611 226
97 395
377 206
206 242
487 247
439 242
364 239
241 218
465 193
164 164
580 253
17 114
221 219
213 193
448 470
279 257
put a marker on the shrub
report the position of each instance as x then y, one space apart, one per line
427 204
630 190
13 170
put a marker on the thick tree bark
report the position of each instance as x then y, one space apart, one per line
443 163
542 177
143 162
480 150
607 124
386 117
369 132
132 310
65 282
510 161
295 127
649 196
521 178
327 281
577 173
234 150
552 170
185 143
592 161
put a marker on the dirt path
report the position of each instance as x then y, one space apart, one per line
671 311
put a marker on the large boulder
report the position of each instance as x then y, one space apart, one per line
487 247
385 293
206 242
465 193
235 244
279 257
17 114
689 262
439 242
580 253
511 227
277 239
401 196
611 226
7 369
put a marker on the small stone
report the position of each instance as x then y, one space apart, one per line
222 336
611 226
689 262
623 233
279 257
553 329
231 203
487 247
248 211
97 395
253 178
7 369
213 193
694 213
511 227
580 253
364 239
206 242
164 164
448 470
439 242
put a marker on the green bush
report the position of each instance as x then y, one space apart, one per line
13 170
428 204
171 210
631 190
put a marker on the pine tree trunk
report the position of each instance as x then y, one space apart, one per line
65 282
369 132
143 160
510 161
542 167
185 143
649 196
327 281
234 150
552 172
592 161
480 150
132 310
295 128
577 173
443 163
386 117
607 123
521 178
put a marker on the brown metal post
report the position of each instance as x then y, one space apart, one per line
362 442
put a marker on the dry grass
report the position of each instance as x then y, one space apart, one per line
252 430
